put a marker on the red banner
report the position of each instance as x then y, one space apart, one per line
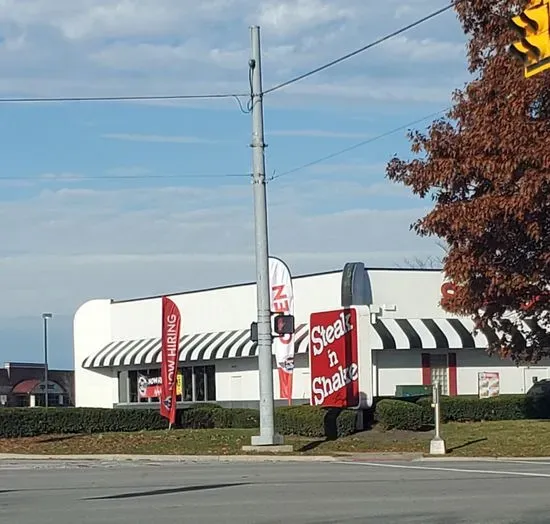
334 359
282 301
171 320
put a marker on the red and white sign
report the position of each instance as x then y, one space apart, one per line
282 301
171 320
149 387
333 357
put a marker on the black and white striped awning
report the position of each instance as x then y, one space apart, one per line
196 347
427 333
386 333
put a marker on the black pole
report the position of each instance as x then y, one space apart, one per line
46 360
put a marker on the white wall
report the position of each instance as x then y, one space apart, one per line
397 368
405 367
237 379
220 309
415 293
513 379
92 331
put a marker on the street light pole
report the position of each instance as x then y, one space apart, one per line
45 317
268 436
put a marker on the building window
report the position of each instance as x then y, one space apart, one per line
210 374
187 375
195 384
133 386
435 367
438 364
200 382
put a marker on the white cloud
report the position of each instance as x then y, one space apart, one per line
62 177
63 246
368 89
163 139
179 46
424 50
68 245
290 17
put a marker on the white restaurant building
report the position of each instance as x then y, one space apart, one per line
412 339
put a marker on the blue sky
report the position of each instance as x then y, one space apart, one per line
129 199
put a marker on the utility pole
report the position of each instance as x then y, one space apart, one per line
267 435
45 317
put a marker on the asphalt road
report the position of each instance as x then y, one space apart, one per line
293 493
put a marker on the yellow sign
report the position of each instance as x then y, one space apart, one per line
533 26
179 384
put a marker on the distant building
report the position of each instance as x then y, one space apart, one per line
22 385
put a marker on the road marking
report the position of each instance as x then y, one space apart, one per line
454 470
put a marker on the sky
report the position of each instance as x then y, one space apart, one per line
128 199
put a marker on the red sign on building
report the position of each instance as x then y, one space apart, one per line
333 358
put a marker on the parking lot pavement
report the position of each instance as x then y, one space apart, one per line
346 492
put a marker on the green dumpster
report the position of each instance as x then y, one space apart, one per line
412 390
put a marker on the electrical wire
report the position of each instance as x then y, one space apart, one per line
362 49
355 146
76 178
122 98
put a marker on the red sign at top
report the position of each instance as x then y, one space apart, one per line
333 358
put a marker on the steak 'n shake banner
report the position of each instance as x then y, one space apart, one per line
340 358
282 301
171 320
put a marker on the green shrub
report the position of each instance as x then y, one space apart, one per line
294 420
207 417
29 422
400 414
473 409
311 421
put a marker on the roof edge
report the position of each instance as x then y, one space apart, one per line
250 283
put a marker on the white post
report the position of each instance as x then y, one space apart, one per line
437 444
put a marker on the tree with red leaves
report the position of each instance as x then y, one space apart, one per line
486 165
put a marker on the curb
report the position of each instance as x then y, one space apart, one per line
340 458
4 457
483 459
378 457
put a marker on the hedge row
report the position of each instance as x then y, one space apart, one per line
29 422
292 420
413 415
400 414
307 421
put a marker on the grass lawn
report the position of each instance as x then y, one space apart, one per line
509 438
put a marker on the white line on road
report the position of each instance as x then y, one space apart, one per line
454 470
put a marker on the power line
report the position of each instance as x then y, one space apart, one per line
355 146
362 49
121 98
77 178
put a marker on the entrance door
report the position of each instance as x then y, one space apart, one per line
236 386
532 375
